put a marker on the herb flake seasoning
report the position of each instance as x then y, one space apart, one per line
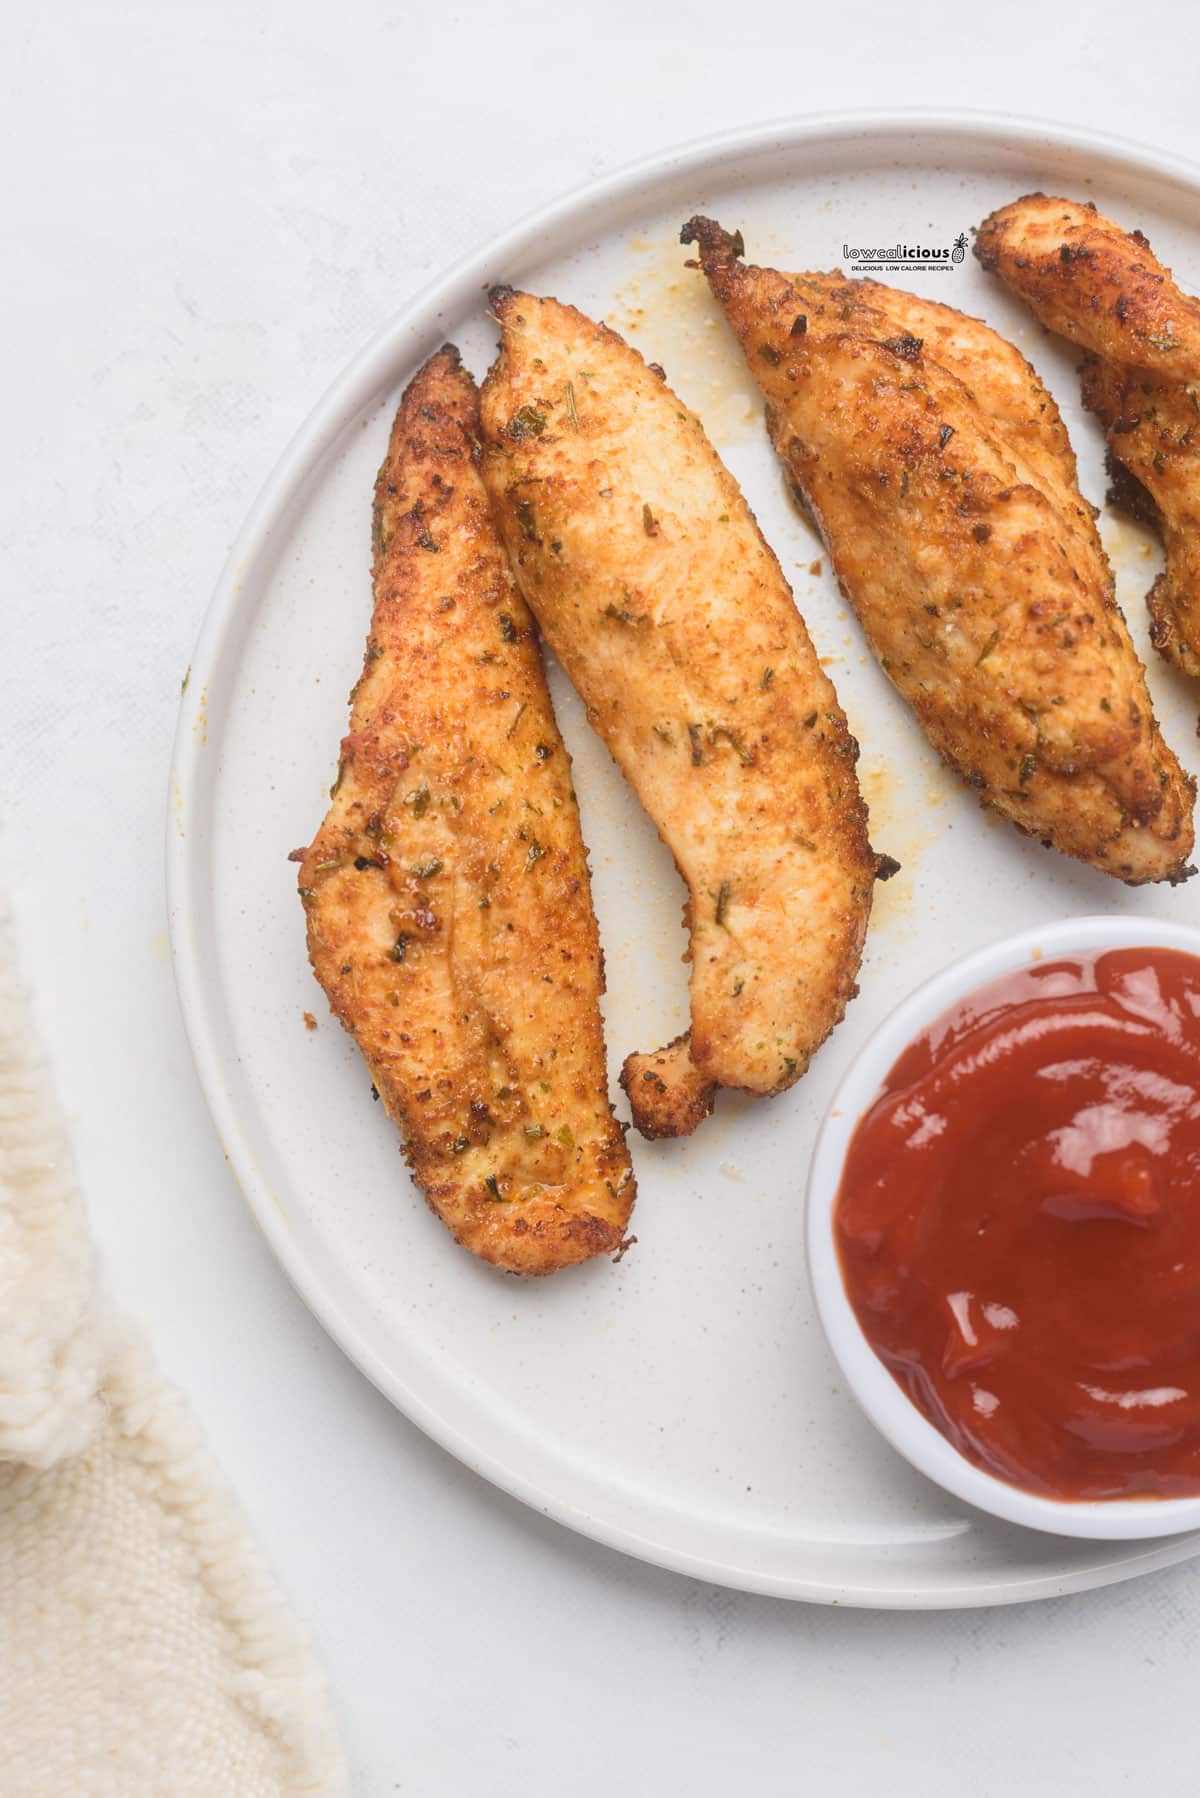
527 422
907 347
736 743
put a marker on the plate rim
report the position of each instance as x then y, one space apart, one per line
186 872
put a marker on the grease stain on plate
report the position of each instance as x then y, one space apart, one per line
1127 544
668 314
903 824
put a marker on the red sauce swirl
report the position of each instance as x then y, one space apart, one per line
1019 1225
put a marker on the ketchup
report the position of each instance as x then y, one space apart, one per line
1019 1225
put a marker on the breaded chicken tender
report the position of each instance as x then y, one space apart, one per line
653 586
1154 462
1105 289
1006 388
1092 282
937 470
447 894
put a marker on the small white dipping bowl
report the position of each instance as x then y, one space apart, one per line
884 1401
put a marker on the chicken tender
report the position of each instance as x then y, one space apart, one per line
1007 389
1154 462
1092 282
1104 289
653 586
959 538
447 893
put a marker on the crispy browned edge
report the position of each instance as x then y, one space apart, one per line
667 1093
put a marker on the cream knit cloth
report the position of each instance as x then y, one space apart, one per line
145 1650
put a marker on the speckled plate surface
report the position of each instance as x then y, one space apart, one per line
681 1406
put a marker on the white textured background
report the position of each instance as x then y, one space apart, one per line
207 210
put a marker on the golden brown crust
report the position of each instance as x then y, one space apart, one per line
1153 431
1104 289
668 1095
447 892
1005 384
653 586
959 537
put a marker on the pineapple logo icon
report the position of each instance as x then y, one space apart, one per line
960 247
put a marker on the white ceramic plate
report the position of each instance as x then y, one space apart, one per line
682 1406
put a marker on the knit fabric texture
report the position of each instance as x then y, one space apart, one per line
145 1649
